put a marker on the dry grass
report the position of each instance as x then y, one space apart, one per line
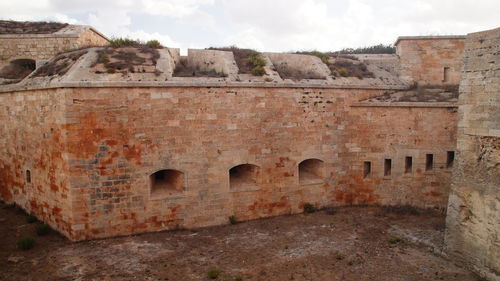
59 65
183 69
126 60
287 72
17 70
26 27
346 66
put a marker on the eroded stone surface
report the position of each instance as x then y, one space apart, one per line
473 222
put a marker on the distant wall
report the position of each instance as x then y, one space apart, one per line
431 60
42 47
473 221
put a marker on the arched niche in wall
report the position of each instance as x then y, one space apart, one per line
244 176
166 182
311 171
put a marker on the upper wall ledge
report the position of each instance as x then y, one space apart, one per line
146 67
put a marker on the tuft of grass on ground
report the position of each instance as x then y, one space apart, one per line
25 243
213 273
42 229
31 218
396 240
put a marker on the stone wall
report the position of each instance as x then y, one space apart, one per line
32 165
424 59
42 47
473 221
394 132
116 138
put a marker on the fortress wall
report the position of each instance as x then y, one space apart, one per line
203 132
395 132
118 137
42 48
473 221
424 60
33 140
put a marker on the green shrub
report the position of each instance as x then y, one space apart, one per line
343 72
339 256
257 62
155 44
309 208
233 220
213 273
31 219
258 71
396 240
123 42
42 229
26 243
350 262
324 57
255 59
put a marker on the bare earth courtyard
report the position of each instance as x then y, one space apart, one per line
351 243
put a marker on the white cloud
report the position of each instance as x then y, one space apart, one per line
267 25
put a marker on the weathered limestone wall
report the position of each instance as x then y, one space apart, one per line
473 221
131 133
118 137
42 47
395 132
33 139
424 59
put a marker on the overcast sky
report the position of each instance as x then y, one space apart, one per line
265 25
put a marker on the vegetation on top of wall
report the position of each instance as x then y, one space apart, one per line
26 27
248 61
60 64
375 49
342 65
121 42
183 69
325 58
155 44
143 59
124 42
17 70
346 67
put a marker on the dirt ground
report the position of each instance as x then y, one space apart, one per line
352 243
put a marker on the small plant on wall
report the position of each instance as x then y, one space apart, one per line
233 220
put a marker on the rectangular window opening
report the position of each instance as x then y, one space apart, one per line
387 167
408 164
446 74
450 158
429 162
367 169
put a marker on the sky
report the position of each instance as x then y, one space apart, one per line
264 25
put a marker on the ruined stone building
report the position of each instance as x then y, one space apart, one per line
104 141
